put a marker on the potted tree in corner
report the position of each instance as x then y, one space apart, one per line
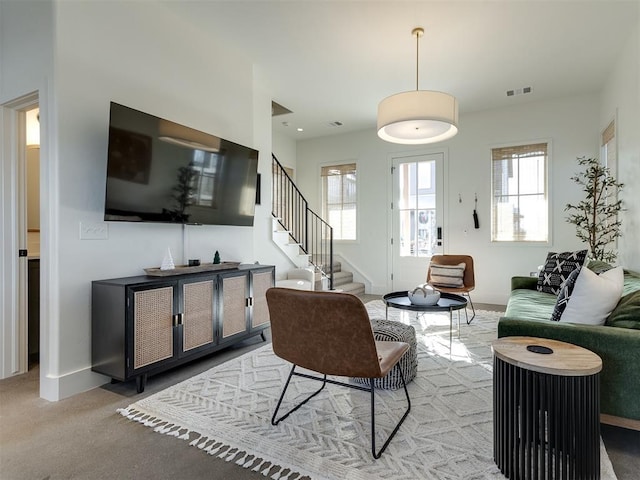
596 216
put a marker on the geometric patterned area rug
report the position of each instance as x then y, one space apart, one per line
226 412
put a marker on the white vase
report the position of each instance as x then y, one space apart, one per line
167 261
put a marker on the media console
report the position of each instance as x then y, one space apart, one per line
144 325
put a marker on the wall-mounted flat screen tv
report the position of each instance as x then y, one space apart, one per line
160 171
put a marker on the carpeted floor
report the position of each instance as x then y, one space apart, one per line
83 437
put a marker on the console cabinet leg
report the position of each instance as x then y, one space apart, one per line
141 382
264 339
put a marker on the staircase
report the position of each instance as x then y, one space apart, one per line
304 237
343 281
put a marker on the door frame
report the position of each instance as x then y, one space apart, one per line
399 156
13 324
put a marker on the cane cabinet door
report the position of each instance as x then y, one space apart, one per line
152 335
234 298
196 320
260 283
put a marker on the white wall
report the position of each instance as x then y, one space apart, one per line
622 96
284 148
26 57
266 252
140 55
570 124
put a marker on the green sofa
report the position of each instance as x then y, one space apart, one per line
528 313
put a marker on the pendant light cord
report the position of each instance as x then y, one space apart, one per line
417 59
418 32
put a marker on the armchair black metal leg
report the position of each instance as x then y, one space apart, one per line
472 309
284 390
377 455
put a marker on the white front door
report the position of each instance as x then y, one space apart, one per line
417 217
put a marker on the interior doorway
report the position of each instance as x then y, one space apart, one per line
32 197
20 231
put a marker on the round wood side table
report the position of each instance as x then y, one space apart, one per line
546 409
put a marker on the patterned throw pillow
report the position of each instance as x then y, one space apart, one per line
565 293
447 275
557 269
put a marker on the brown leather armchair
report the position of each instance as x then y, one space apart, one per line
468 281
330 333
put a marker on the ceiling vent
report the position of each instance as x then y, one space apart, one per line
334 124
519 91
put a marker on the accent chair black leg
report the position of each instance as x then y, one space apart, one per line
264 339
377 455
469 320
286 385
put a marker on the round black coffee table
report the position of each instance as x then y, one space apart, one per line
448 303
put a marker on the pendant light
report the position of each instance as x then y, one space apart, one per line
420 116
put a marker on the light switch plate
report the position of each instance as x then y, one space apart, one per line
94 231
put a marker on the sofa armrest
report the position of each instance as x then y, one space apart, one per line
619 349
528 283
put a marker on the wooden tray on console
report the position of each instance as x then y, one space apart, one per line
184 269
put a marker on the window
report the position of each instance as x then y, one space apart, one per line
609 156
339 199
520 207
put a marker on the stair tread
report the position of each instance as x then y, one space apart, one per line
351 287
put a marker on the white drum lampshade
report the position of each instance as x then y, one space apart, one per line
418 117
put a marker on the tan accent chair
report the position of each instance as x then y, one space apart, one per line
330 333
468 281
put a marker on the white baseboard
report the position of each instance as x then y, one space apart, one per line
54 388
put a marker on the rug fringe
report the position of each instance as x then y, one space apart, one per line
211 446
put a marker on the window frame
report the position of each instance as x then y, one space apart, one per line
609 138
548 191
341 163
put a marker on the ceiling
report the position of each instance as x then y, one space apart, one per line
333 61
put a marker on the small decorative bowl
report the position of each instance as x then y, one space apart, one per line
424 295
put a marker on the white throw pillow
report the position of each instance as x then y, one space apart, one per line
594 297
447 275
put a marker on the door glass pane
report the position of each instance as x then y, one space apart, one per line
417 209
407 233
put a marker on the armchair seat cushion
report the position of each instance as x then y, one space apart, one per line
387 330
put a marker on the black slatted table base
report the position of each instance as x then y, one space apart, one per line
546 426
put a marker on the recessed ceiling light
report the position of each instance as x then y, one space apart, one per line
300 129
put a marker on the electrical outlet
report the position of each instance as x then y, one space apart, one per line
94 231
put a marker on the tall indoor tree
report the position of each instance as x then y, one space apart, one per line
596 216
